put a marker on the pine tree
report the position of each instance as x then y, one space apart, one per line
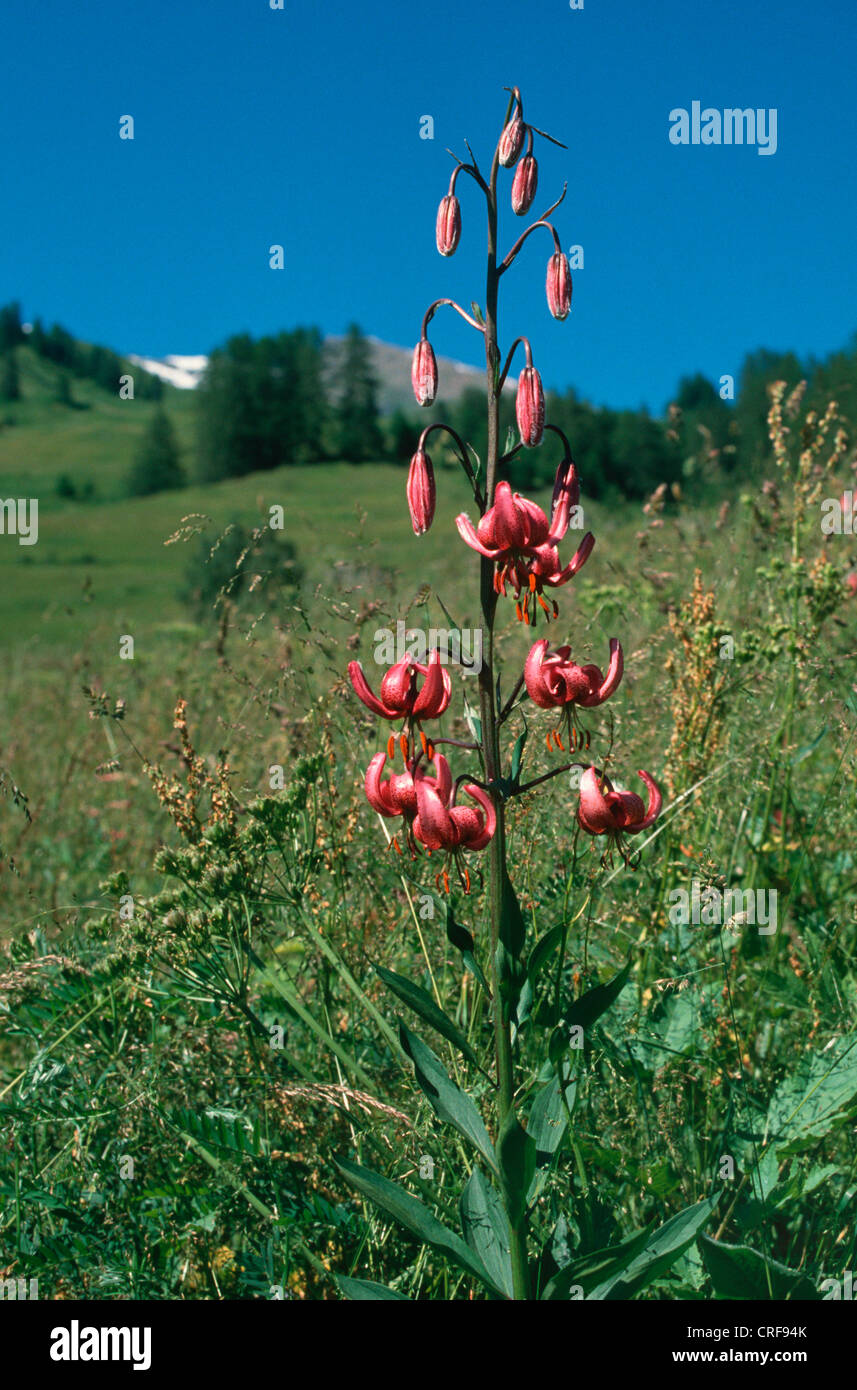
157 466
358 434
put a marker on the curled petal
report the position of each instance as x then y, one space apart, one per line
606 685
577 561
468 534
486 801
433 825
594 811
436 692
378 792
653 809
362 691
397 685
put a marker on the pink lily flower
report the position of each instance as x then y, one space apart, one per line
401 698
396 795
554 681
440 825
517 535
606 811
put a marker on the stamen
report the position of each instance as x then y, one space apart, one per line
555 608
424 742
395 844
532 583
429 749
466 880
544 605
391 747
558 740
403 744
518 613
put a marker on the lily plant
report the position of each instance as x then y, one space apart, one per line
463 817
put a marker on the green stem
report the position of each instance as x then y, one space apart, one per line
490 734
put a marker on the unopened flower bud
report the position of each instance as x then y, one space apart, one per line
511 141
559 285
424 372
524 185
530 407
448 224
421 492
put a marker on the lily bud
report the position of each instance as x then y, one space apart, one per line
530 407
424 372
448 224
559 285
421 492
524 185
511 141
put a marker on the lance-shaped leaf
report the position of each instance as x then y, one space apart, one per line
398 1203
362 1289
516 1155
659 1253
587 1010
486 1229
587 1272
446 1099
738 1271
459 937
422 1003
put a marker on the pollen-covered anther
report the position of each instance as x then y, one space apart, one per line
391 747
403 744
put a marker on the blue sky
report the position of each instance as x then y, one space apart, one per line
301 127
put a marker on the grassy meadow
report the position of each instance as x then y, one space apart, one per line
194 1028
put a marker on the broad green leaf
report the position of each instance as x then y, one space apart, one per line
360 1289
543 950
660 1251
819 1094
486 1229
445 1098
460 938
589 1271
416 1218
422 1003
549 1118
513 928
737 1271
516 1156
590 1006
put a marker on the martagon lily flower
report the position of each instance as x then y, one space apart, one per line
603 810
441 825
554 681
402 697
517 535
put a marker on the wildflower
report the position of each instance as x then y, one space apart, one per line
606 811
421 492
396 795
441 825
401 695
516 534
554 681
